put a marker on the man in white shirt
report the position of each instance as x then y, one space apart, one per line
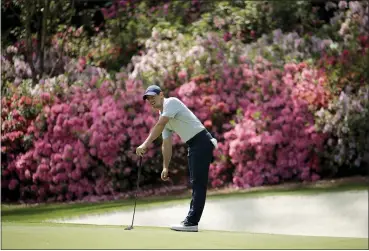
176 117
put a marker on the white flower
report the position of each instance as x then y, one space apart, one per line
357 162
327 128
330 142
12 49
180 36
355 6
342 5
155 34
330 5
333 46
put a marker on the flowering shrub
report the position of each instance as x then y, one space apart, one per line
78 141
347 67
84 144
281 48
173 58
98 50
15 68
350 18
268 145
76 73
346 123
253 114
17 113
276 140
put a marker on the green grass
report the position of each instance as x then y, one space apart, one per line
71 236
23 227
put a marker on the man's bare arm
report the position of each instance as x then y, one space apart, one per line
157 130
167 151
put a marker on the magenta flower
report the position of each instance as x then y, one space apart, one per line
13 184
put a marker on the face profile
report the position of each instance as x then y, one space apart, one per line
156 101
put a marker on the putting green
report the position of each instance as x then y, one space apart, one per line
71 236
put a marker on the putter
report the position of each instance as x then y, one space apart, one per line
138 181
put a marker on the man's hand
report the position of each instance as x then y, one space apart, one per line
164 174
141 150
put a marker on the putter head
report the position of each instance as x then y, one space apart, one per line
129 228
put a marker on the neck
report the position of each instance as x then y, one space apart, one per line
162 105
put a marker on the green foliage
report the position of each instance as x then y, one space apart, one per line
346 121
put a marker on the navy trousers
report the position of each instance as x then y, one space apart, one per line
200 155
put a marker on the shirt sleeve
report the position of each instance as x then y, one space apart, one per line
166 133
171 108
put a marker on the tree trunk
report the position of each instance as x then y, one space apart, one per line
45 16
29 48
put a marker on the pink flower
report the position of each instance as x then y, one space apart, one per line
82 62
187 89
208 124
127 171
45 96
13 184
182 74
93 151
27 174
34 188
227 36
306 74
57 130
290 67
105 12
43 168
315 177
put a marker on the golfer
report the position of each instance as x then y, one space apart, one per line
176 117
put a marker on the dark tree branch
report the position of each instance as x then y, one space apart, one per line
45 16
29 10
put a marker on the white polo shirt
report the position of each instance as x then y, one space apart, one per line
182 120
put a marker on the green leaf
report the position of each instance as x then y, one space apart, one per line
256 115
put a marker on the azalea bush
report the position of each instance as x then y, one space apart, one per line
253 114
276 140
63 159
173 58
16 69
346 122
83 146
347 67
350 18
17 114
280 48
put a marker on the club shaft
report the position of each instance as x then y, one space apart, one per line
138 182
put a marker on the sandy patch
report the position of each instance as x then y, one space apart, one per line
341 214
